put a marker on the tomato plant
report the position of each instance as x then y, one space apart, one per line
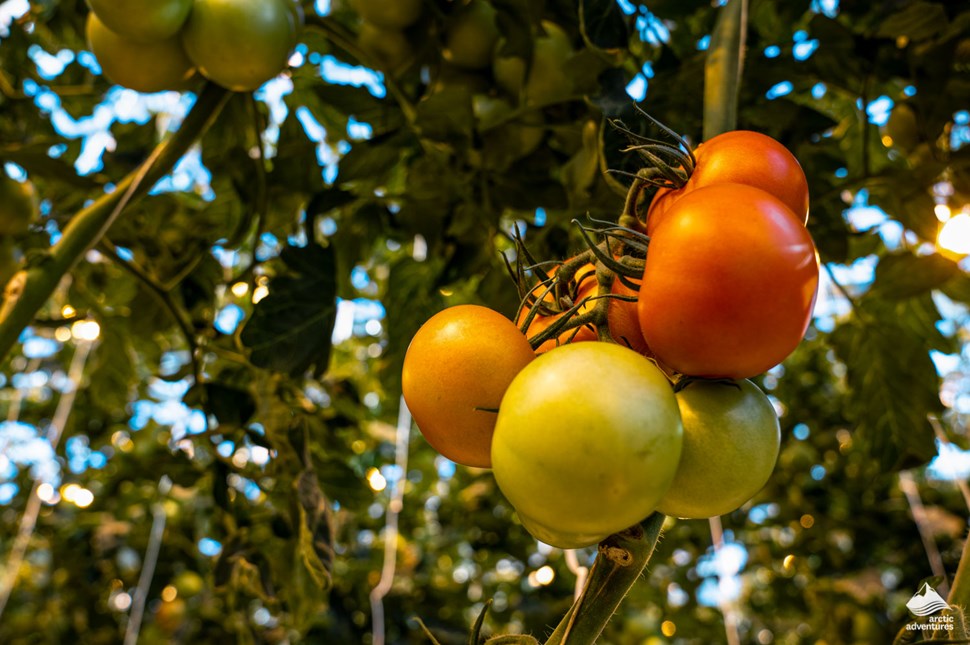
471 37
143 21
143 67
587 442
581 288
18 205
456 370
740 157
731 443
240 44
389 47
624 322
729 284
545 78
399 14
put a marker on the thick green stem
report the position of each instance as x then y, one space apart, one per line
722 72
621 560
29 289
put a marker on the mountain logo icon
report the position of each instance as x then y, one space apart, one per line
926 602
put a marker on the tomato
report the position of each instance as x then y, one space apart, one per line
584 286
546 79
741 157
456 370
18 206
624 321
472 36
729 285
587 442
731 443
143 21
393 14
389 47
152 67
240 44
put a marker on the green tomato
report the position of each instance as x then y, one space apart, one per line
241 44
731 443
389 14
18 206
389 47
143 21
546 79
151 67
587 441
472 36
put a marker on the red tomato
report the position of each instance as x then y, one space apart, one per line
740 157
456 371
730 282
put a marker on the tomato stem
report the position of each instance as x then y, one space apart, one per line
619 564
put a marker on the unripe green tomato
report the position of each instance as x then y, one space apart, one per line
143 21
472 36
241 44
389 14
731 443
151 67
587 442
18 206
389 47
547 79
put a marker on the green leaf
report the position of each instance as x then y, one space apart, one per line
904 275
290 329
603 25
446 115
722 72
316 530
893 385
231 406
113 369
917 21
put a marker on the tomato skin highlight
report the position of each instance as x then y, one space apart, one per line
730 283
740 157
731 442
456 371
142 21
587 442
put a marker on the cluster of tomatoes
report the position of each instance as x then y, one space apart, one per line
158 45
648 408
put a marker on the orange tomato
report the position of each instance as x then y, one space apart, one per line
456 371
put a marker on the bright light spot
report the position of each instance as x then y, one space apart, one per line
62 334
209 547
376 480
46 493
772 51
545 575
259 455
169 593
955 235
67 311
807 521
879 109
668 628
780 89
241 458
789 562
260 292
86 330
228 319
373 327
83 498
887 141
240 289
942 212
637 88
120 601
70 491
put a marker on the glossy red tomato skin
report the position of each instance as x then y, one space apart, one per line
730 283
740 157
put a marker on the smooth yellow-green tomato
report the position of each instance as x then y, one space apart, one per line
587 441
151 67
546 80
142 21
241 44
731 442
472 36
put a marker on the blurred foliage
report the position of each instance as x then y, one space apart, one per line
422 206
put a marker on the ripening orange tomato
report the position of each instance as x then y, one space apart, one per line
740 157
456 371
